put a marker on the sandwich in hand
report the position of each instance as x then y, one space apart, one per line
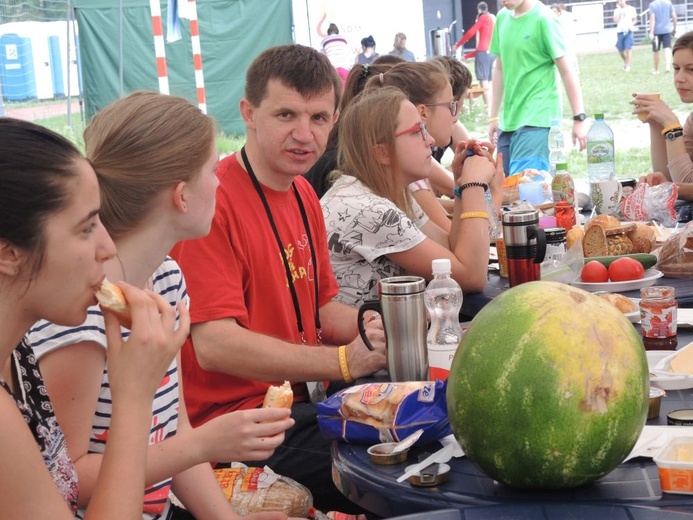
279 396
110 297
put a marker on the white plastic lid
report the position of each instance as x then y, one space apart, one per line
441 266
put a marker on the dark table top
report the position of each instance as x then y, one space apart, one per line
631 491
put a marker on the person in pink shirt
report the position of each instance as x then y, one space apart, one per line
483 59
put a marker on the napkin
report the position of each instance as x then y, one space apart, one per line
653 438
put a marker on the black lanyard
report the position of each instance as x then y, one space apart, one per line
289 277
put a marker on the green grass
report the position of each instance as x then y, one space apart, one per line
606 88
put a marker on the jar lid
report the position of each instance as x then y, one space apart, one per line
556 234
658 291
682 416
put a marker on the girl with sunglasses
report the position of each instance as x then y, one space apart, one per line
53 255
374 226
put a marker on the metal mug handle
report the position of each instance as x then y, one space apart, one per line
369 305
538 233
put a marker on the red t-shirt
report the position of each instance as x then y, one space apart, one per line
484 26
237 272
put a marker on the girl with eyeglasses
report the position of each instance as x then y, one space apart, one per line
427 86
375 228
53 253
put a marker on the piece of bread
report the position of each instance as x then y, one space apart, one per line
618 244
377 403
642 237
110 297
605 221
594 242
622 303
279 396
574 236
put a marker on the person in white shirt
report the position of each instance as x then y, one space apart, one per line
626 18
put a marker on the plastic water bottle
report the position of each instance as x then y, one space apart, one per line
443 299
600 151
556 145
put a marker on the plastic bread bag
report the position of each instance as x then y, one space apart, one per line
252 490
675 258
651 203
386 412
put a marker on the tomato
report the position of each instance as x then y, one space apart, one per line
594 272
624 269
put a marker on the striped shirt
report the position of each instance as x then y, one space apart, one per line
46 337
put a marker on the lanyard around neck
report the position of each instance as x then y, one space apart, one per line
285 260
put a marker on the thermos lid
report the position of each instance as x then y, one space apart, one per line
521 217
401 285
680 417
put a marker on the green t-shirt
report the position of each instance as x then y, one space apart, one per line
527 47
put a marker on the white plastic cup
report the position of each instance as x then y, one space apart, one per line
532 192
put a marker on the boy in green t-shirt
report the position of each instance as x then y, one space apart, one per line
530 48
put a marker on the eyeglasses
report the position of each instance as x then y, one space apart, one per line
418 128
453 106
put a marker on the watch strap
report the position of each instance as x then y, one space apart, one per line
673 134
579 117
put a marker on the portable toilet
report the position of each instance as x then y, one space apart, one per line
17 68
56 64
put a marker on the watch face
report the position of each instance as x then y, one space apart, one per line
579 117
674 134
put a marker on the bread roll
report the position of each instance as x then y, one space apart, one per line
622 303
110 297
573 236
642 237
605 221
618 245
279 396
376 404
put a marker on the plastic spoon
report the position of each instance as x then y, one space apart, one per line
407 442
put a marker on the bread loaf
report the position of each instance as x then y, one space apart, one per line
618 244
642 237
594 242
605 221
377 403
573 236
675 256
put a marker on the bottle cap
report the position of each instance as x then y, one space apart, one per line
599 116
441 266
561 166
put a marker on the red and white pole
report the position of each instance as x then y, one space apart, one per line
197 56
159 49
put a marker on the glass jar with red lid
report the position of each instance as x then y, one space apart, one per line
658 310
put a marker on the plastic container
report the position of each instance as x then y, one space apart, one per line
382 454
655 403
601 165
680 417
556 145
443 299
675 464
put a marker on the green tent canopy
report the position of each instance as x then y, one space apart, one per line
232 34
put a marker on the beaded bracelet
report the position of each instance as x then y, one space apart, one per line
459 189
343 366
474 214
670 128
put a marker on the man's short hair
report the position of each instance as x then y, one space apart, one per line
482 6
301 68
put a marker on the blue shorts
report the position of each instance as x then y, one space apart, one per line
526 147
624 41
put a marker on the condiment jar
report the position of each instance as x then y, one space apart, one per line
658 309
555 243
565 215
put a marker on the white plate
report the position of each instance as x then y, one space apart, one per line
648 279
664 379
634 316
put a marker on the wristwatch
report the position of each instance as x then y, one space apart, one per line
580 117
673 134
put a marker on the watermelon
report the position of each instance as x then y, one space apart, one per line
549 387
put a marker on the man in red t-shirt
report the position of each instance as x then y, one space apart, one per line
483 59
261 285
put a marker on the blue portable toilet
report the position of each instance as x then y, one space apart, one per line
56 63
17 68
